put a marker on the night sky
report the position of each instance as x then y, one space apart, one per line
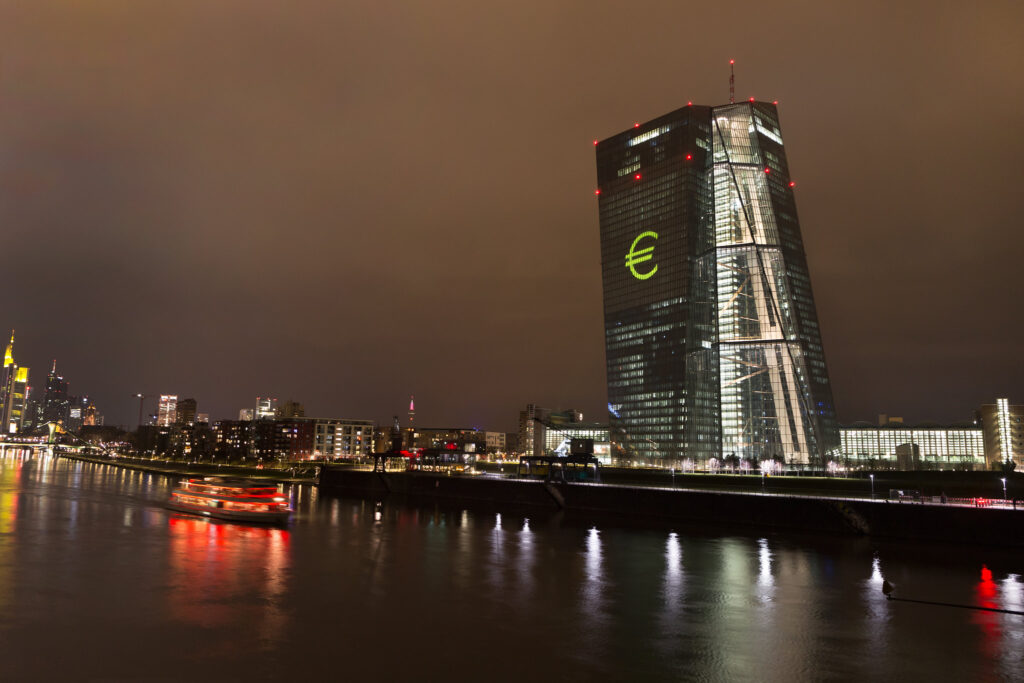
345 203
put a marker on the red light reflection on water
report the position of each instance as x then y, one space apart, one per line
985 596
211 563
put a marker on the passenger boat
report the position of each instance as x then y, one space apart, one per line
240 500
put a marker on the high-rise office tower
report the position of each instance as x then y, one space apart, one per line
13 391
167 410
712 341
55 400
266 408
185 412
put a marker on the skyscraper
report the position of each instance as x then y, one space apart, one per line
711 334
13 391
55 400
167 410
266 408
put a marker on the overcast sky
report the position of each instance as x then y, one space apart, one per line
345 203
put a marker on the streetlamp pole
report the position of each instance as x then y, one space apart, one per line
872 477
1004 488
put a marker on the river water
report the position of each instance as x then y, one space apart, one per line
99 582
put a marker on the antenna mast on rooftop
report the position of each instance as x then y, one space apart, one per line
732 82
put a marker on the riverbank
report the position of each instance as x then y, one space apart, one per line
177 469
834 515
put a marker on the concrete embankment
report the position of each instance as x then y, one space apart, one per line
713 508
176 469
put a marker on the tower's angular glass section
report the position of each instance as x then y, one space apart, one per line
712 340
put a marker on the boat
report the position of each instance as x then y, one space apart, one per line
239 500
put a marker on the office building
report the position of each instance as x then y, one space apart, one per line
76 412
185 412
1002 426
246 414
290 409
55 400
13 392
711 335
895 445
543 431
167 410
266 408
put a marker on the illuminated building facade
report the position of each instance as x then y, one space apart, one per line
895 445
342 438
1003 427
711 334
266 408
13 391
167 410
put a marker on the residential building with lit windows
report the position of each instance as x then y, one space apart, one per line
711 335
342 438
899 446
1002 425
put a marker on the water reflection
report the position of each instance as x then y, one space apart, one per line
91 550
228 575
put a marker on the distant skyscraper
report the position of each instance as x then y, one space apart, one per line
711 334
185 412
290 409
167 410
245 415
91 416
13 391
55 401
76 412
412 412
266 408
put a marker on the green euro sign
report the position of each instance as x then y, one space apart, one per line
636 256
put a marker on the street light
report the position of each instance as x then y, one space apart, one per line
872 485
1004 487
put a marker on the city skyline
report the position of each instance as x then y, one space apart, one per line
164 224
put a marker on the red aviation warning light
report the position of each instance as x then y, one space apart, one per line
636 177
792 184
636 125
597 192
767 170
689 157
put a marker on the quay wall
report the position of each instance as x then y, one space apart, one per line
775 512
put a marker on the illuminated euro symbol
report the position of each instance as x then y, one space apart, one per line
636 256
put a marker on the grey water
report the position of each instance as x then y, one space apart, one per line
99 582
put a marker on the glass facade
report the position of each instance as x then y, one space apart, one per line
712 340
921 447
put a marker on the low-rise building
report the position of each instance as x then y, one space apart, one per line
338 438
895 445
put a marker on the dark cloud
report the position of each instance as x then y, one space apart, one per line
345 203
